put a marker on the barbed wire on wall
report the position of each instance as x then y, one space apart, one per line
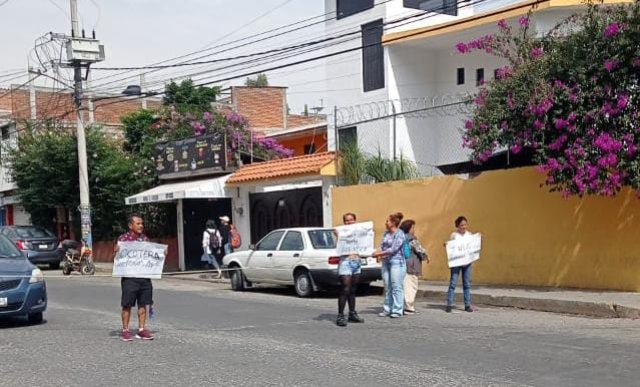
431 106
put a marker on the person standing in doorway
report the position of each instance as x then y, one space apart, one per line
349 270
394 267
461 233
212 245
225 233
417 254
135 291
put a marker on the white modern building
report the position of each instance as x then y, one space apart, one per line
405 60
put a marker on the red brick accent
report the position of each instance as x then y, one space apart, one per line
59 105
264 107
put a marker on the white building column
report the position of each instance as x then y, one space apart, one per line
180 216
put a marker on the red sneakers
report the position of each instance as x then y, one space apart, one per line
144 335
126 335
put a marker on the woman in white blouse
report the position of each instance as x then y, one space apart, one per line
461 232
211 245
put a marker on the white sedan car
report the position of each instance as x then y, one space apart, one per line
303 257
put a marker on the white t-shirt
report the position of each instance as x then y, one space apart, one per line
456 235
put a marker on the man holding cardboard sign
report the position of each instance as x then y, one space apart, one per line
136 261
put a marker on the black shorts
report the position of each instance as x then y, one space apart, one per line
136 291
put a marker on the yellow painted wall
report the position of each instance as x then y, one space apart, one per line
530 236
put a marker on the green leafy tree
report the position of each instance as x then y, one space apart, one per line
50 158
259 80
185 96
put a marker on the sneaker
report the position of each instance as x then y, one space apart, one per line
448 309
341 321
383 314
396 315
126 335
468 309
354 318
144 335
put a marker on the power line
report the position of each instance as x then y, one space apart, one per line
241 40
275 52
317 57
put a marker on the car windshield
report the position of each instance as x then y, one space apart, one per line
8 249
322 239
33 232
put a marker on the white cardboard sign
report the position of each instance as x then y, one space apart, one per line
463 251
356 239
139 260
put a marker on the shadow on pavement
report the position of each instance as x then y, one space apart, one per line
17 322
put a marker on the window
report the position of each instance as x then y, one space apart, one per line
372 56
479 77
5 132
292 242
33 232
347 137
309 149
460 80
446 7
351 7
270 242
322 239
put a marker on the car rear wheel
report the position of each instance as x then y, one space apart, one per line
237 279
303 284
35 318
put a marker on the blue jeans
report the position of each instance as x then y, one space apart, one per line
393 272
349 266
466 282
227 249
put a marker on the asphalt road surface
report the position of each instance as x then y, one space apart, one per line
209 335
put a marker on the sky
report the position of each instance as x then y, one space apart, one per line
142 32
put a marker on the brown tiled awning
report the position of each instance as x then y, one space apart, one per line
315 164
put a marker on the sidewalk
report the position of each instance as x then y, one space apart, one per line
592 303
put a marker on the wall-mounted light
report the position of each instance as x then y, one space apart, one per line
240 211
281 203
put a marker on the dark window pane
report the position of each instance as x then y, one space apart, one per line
346 137
372 56
479 77
460 80
351 7
292 242
270 242
447 7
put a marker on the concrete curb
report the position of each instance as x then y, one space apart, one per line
582 308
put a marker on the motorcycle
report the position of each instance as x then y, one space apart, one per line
77 257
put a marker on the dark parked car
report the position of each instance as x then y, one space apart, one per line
38 244
23 291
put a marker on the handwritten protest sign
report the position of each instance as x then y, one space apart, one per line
139 260
463 251
355 239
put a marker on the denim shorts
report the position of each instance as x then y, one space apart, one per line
349 266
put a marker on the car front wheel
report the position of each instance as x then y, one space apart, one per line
303 284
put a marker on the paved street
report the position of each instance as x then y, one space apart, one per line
208 335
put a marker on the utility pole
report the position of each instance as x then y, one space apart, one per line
81 52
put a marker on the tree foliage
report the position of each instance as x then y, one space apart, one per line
259 80
186 96
572 96
49 159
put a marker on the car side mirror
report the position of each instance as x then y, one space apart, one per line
252 247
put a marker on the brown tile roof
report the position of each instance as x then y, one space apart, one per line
301 165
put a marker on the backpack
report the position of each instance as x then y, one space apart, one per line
214 241
236 240
406 249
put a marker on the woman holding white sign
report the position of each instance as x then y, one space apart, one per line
349 271
461 233
394 267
